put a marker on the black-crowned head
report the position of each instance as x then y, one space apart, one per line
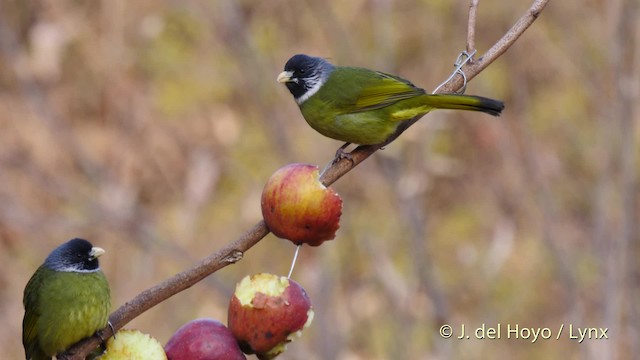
76 255
304 75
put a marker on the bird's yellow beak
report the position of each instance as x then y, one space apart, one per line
284 76
96 252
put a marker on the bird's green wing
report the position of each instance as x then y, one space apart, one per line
31 315
383 89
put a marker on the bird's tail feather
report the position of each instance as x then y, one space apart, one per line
465 102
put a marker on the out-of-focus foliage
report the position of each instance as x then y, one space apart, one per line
150 127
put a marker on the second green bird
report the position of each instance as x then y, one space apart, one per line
66 300
363 106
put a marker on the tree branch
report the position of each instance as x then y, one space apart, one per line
500 47
235 250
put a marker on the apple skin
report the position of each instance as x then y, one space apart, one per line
296 206
203 339
266 312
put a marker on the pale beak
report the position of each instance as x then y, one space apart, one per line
96 252
284 76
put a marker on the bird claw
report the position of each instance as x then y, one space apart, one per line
103 342
341 154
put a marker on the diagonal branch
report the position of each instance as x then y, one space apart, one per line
235 250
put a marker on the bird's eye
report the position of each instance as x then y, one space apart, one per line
302 71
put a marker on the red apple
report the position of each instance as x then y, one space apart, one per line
203 339
266 312
298 207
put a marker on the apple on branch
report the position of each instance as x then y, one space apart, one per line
266 312
296 206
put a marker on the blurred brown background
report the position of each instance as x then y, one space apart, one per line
150 127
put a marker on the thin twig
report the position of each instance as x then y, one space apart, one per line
500 46
234 251
471 27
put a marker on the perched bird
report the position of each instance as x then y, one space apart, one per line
363 106
66 300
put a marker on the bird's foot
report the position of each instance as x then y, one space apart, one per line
103 341
341 154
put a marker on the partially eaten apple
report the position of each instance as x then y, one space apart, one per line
203 339
133 345
296 206
267 312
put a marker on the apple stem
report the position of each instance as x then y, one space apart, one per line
293 262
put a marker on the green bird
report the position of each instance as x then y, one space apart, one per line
67 299
363 106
